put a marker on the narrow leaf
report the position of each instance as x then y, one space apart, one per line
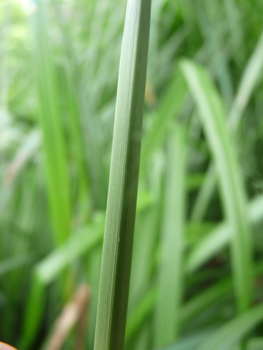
249 79
234 330
169 294
213 117
124 171
219 237
50 268
50 115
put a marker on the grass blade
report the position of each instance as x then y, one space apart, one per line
193 340
190 309
140 313
249 79
219 291
235 28
213 118
26 151
52 128
167 322
170 106
50 268
204 195
14 263
234 330
219 60
120 214
145 237
190 342
219 237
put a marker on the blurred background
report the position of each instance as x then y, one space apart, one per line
197 273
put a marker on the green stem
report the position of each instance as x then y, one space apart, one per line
123 184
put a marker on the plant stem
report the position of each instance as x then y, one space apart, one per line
123 184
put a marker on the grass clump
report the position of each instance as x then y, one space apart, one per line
196 261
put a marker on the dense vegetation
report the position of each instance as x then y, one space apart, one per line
197 268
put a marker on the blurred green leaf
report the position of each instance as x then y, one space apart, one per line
234 330
50 118
232 189
211 244
50 269
249 79
170 278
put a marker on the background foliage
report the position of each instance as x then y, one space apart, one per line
197 269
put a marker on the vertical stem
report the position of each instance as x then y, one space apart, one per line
122 195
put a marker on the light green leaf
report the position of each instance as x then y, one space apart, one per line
50 118
50 269
213 117
170 281
249 79
219 237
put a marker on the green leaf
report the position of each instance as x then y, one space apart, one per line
140 313
233 331
146 234
169 288
249 79
123 184
50 268
14 263
170 106
213 117
219 237
50 118
190 342
78 244
218 56
190 309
